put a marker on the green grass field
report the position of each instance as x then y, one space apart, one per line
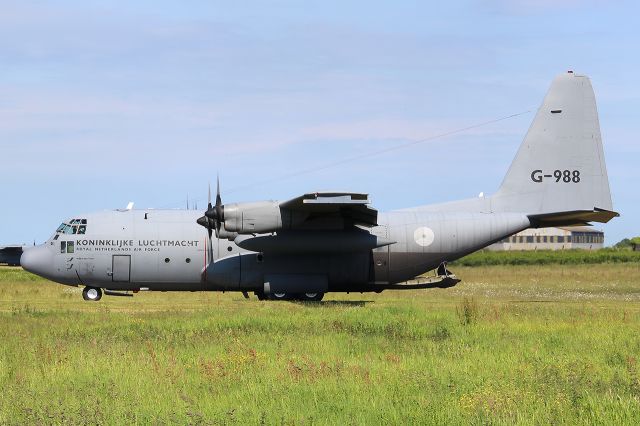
510 344
549 257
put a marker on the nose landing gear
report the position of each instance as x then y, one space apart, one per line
92 294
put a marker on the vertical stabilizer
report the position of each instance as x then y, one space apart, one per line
559 169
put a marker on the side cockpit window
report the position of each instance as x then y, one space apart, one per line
67 247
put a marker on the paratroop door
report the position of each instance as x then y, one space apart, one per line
380 257
121 268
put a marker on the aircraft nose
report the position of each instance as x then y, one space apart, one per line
38 260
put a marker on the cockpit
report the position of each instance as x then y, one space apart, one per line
73 227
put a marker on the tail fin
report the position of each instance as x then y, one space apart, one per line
558 176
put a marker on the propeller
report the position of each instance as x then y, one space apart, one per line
216 213
210 222
214 216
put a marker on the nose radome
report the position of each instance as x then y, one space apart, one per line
38 260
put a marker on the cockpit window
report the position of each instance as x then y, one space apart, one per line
67 247
75 226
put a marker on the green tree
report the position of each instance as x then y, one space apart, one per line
624 244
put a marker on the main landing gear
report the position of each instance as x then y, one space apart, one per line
303 297
310 297
92 294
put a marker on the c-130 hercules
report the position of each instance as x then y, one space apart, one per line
332 241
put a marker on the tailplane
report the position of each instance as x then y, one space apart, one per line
559 176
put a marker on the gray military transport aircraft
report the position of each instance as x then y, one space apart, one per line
319 242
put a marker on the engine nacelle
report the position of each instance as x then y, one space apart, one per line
252 218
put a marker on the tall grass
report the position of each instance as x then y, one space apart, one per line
467 311
549 257
397 357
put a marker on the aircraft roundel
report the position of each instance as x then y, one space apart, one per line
423 236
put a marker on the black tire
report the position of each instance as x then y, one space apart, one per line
279 296
260 295
310 297
91 294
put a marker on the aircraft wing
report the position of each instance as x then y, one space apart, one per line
330 210
336 214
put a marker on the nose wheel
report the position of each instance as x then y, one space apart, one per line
92 294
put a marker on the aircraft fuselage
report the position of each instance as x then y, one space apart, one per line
167 250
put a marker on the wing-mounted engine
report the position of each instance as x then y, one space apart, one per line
251 218
327 211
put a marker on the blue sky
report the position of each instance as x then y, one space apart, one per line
105 102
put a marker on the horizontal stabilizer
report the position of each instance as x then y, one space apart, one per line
573 218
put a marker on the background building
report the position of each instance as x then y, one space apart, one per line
574 237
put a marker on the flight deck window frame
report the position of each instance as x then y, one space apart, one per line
67 247
73 227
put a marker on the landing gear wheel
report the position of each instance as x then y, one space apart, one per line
92 294
310 297
278 296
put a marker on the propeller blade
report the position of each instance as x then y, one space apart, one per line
218 197
219 207
207 221
214 216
